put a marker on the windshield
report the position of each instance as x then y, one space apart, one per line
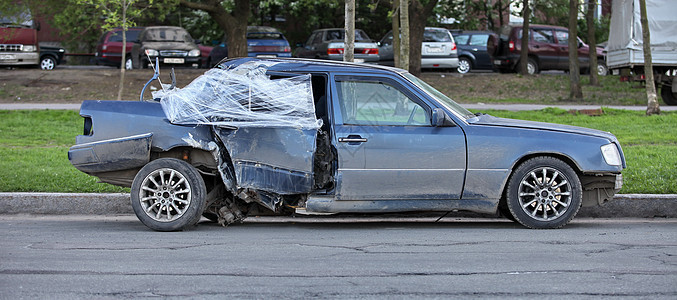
21 18
443 99
167 35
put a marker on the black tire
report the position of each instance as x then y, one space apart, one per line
532 66
464 65
47 63
544 193
168 195
668 96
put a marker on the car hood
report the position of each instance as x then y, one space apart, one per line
170 46
488 120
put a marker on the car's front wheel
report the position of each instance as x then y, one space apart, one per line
47 63
544 192
168 195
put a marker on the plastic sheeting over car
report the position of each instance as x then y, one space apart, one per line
244 96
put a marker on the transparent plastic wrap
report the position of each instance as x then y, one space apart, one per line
242 97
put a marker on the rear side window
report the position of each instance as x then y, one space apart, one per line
462 39
479 39
436 35
543 36
562 37
130 36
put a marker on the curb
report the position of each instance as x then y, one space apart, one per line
623 205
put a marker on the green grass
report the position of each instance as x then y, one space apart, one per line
34 146
34 151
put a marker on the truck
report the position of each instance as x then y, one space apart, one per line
625 54
19 39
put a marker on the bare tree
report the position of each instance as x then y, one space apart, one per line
405 42
575 93
592 50
524 51
349 36
652 101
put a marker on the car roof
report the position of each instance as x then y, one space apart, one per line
539 26
302 65
461 32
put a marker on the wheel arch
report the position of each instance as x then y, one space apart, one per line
563 157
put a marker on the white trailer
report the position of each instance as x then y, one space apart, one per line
625 52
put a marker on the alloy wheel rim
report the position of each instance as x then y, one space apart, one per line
47 64
531 69
463 66
128 64
544 194
165 195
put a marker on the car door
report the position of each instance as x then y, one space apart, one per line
544 47
385 50
386 146
563 43
478 46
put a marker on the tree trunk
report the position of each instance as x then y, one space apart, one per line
524 47
121 86
405 41
418 14
652 101
592 50
234 24
576 93
396 33
349 36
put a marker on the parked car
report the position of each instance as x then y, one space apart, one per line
548 49
320 137
438 50
172 45
329 44
262 41
50 57
109 49
472 50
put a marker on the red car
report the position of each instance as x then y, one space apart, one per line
109 49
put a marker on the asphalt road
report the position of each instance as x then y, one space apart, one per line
117 257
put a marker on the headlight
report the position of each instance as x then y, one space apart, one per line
152 52
28 48
194 52
611 155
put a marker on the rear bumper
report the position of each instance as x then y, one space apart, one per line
111 155
358 57
439 62
19 58
505 62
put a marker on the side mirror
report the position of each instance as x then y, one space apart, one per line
378 44
438 117
37 25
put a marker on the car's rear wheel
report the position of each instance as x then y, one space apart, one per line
47 63
602 69
168 195
129 63
544 192
532 66
464 65
668 96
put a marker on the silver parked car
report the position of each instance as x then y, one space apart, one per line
438 50
329 44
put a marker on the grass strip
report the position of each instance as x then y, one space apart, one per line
34 146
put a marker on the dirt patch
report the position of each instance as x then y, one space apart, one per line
75 85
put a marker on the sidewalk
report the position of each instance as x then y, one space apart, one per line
475 106
623 205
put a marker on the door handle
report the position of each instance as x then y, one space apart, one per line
352 139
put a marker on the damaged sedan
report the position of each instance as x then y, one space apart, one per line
304 136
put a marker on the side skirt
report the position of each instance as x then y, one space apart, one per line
326 204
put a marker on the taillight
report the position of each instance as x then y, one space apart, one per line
453 46
511 46
286 49
334 50
370 51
